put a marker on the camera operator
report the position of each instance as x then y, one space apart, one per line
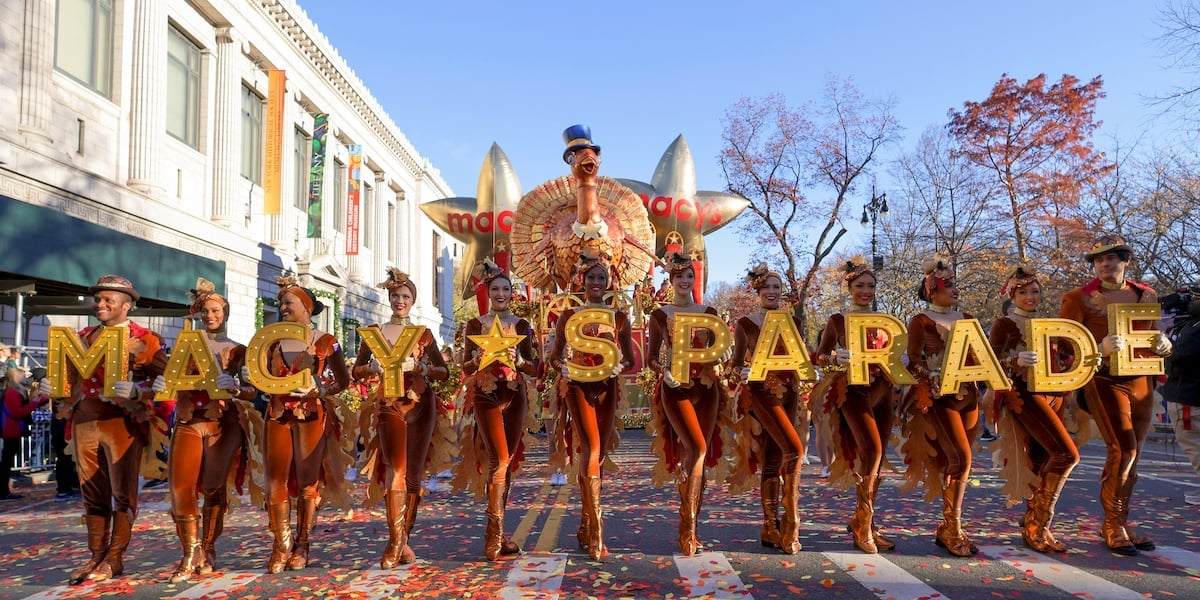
1182 389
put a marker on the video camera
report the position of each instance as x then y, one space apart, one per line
1176 305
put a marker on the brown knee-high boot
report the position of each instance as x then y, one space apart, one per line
411 502
1113 528
581 535
306 512
864 514
881 542
768 493
789 532
493 535
279 519
98 537
214 523
1036 529
690 492
188 529
591 511
114 559
507 546
949 532
397 536
1140 542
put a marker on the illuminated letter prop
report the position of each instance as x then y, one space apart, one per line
256 359
495 346
888 357
65 350
1039 333
191 348
966 339
681 332
778 326
1120 322
390 357
581 342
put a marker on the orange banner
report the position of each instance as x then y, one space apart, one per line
273 151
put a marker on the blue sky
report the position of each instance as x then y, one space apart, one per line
458 76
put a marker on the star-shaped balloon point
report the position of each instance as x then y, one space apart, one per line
681 214
483 223
495 345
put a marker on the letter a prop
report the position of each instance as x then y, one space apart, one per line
191 349
581 342
887 356
778 328
682 355
967 339
391 357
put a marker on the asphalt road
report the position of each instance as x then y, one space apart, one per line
43 540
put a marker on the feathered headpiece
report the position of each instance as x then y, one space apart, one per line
588 260
491 271
1020 277
938 272
677 262
288 284
205 290
397 279
757 276
856 267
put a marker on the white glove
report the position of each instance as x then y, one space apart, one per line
160 384
1162 344
225 381
935 384
306 392
841 356
519 361
1111 345
669 380
245 373
1027 358
741 374
44 386
618 369
408 365
125 389
566 370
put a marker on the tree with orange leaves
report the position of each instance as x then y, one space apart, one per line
1036 140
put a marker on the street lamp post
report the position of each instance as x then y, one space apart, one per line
871 213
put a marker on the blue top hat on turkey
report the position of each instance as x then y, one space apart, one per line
577 137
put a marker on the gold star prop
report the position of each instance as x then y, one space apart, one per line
495 345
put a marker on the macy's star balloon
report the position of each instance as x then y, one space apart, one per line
681 215
484 223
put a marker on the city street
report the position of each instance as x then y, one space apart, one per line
44 540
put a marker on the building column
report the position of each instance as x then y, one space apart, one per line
229 197
147 97
37 66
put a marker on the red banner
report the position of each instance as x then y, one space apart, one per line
353 206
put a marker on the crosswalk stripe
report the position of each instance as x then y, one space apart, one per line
1184 559
1067 578
883 577
376 583
710 575
220 586
535 575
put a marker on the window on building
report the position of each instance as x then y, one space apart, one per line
252 135
301 149
83 42
183 88
339 196
437 273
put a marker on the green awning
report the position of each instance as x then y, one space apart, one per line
48 244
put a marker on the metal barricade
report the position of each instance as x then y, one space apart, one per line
36 453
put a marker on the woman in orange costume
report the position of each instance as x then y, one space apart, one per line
774 403
689 437
206 439
1036 416
301 428
862 413
498 397
404 425
949 423
592 406
1121 406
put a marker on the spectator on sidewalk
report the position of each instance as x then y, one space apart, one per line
14 409
1182 389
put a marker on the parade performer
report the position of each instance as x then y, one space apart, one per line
775 405
1042 452
303 455
207 437
498 397
939 430
108 434
860 415
403 426
590 421
685 413
1122 407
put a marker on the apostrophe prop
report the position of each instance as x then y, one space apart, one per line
1039 333
682 355
256 359
495 346
581 342
391 357
1120 322
778 328
65 350
887 356
967 339
191 349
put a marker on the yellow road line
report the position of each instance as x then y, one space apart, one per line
535 510
548 540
